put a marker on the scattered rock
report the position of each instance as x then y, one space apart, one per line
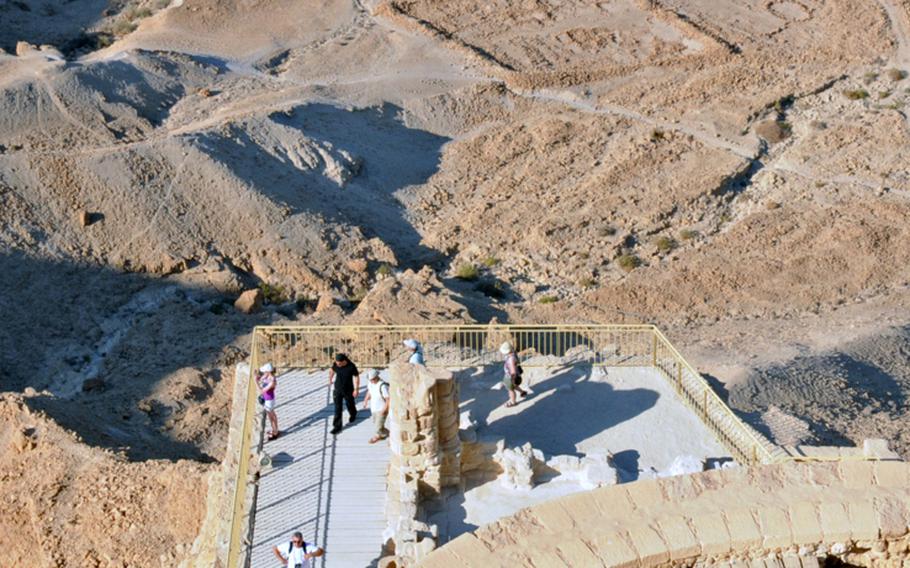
250 301
84 218
517 465
684 465
93 385
597 471
326 301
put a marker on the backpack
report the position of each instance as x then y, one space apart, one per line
518 372
386 385
291 548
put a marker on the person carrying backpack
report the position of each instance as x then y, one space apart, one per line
296 553
512 372
378 400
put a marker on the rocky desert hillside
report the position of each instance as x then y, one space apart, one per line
735 172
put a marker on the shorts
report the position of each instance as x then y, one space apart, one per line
507 381
268 405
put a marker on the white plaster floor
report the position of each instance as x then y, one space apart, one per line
630 412
331 488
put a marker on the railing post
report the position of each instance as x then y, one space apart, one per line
654 349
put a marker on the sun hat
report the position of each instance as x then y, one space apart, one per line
372 374
411 343
506 348
267 368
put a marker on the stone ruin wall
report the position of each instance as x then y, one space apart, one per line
426 457
783 515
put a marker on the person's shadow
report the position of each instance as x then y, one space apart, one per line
564 411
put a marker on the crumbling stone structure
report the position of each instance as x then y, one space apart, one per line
426 456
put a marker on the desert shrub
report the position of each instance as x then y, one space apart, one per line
606 231
665 244
688 234
587 282
467 272
385 269
123 27
628 262
819 184
869 77
774 131
657 135
491 289
783 102
772 205
273 293
548 300
358 295
818 124
490 261
161 4
856 94
897 74
884 94
141 13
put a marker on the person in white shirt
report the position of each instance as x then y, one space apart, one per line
378 400
296 553
416 355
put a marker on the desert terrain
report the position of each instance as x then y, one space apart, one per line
734 172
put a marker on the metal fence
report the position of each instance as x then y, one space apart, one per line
459 346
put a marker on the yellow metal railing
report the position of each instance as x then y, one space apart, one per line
454 346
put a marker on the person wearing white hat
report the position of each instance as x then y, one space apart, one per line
511 372
266 382
378 400
416 356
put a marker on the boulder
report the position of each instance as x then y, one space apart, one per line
92 385
250 301
326 301
84 218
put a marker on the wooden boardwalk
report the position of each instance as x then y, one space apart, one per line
331 488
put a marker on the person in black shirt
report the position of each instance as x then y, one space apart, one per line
346 377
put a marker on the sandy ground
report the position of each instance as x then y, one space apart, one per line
734 172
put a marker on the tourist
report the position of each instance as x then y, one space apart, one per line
346 377
296 553
512 372
378 400
416 351
266 381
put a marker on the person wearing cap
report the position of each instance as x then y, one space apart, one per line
346 377
296 553
416 356
266 382
378 400
511 376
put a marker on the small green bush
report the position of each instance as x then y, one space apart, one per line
548 300
884 94
467 272
657 135
490 261
897 74
607 231
123 27
358 295
628 262
870 76
856 94
688 234
587 282
273 293
141 13
665 244
385 269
